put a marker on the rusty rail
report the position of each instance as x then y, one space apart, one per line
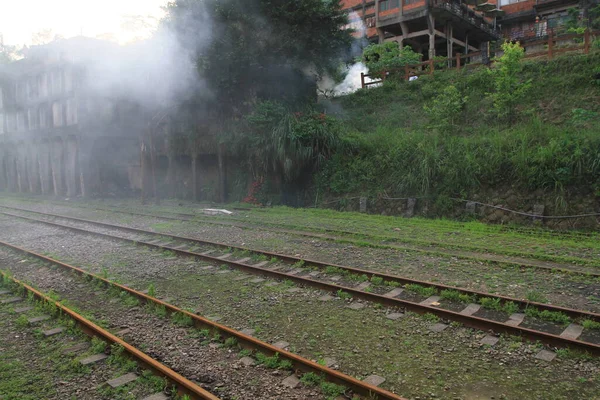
183 385
248 342
468 320
286 258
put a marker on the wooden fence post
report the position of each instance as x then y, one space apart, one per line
431 66
586 41
457 61
550 45
362 79
384 76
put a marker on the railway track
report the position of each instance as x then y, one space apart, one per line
552 325
514 260
298 363
183 386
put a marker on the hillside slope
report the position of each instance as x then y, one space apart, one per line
550 152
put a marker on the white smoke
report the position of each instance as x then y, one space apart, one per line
352 81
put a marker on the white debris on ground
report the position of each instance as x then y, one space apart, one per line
216 211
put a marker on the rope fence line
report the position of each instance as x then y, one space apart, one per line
588 215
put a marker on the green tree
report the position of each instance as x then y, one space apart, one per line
8 53
388 56
445 109
287 145
261 49
510 88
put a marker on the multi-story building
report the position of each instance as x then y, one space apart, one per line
445 27
56 136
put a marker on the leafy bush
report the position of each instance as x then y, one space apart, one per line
388 56
445 109
509 84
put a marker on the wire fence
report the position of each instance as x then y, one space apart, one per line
502 208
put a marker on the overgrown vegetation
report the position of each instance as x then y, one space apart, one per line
540 137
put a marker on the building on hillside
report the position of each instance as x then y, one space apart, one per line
446 27
57 136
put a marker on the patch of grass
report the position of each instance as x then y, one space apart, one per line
245 353
536 297
273 362
334 270
377 280
552 316
312 379
21 321
589 324
431 317
343 295
156 383
118 358
230 342
151 290
331 390
425 291
491 303
157 309
182 319
510 307
98 345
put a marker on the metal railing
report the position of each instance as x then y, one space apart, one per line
477 58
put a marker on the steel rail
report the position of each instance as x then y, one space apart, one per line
299 363
468 320
324 236
291 260
183 385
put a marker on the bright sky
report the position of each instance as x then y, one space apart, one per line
20 19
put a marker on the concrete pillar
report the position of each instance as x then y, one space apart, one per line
11 170
87 172
431 28
449 43
33 168
3 183
22 181
194 177
70 148
57 164
381 35
44 167
431 45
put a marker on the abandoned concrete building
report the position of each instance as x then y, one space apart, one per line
446 27
55 136
69 128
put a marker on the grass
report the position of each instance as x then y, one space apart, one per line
589 324
273 362
455 295
181 319
546 315
425 291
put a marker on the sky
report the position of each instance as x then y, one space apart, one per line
122 21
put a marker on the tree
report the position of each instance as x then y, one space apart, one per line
44 36
250 50
388 56
8 53
510 88
288 146
446 109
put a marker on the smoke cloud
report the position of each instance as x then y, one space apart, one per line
352 80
